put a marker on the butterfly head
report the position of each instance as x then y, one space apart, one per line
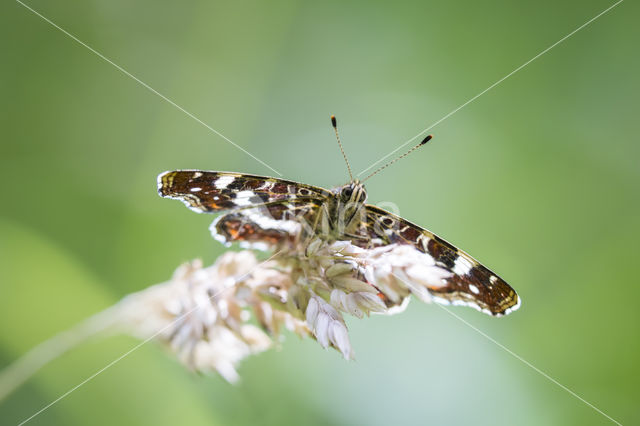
353 193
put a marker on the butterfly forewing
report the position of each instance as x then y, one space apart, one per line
470 284
212 192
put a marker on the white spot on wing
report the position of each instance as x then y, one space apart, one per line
462 266
243 198
196 189
266 222
196 175
474 289
223 181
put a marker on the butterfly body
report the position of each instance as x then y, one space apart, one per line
264 212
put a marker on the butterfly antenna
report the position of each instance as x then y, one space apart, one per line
424 141
334 123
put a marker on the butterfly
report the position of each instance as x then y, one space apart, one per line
262 212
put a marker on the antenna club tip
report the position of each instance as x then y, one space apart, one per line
334 123
427 139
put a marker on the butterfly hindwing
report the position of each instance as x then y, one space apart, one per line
212 192
268 225
470 284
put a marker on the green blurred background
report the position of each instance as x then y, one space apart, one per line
538 178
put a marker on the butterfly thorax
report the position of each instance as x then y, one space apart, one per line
342 214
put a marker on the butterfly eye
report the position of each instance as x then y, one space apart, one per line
346 193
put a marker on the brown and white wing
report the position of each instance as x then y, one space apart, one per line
213 192
471 283
279 223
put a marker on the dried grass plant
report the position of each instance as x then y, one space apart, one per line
210 318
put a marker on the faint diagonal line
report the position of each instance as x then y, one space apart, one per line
515 355
146 86
533 367
121 357
492 86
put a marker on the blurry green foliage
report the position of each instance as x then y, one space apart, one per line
538 178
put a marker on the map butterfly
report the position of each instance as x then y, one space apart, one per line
263 212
